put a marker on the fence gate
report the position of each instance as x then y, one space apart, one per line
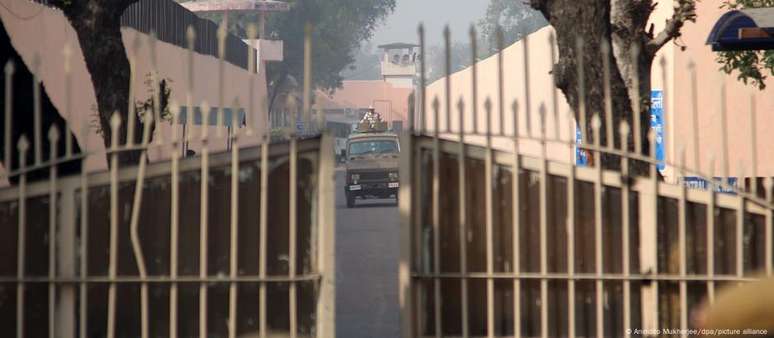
217 244
502 238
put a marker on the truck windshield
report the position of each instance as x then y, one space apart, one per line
372 147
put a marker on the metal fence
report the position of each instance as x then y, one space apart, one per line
500 242
234 244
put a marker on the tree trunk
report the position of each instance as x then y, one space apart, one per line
98 25
590 21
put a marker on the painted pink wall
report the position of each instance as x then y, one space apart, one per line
42 32
673 78
711 126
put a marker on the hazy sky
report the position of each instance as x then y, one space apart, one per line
401 26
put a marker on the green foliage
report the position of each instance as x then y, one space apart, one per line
367 65
516 19
751 66
339 28
460 57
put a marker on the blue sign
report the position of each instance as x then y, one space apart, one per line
581 155
719 184
657 124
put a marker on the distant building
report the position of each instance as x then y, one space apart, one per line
399 64
389 96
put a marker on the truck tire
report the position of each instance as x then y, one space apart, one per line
350 201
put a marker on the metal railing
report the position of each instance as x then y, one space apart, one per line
234 244
498 241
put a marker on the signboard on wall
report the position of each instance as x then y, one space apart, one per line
581 155
657 124
718 184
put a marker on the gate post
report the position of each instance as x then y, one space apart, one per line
66 261
648 257
326 303
405 202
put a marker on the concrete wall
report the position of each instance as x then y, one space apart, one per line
539 84
710 125
673 78
39 31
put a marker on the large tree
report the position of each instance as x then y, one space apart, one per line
339 28
516 20
98 26
625 24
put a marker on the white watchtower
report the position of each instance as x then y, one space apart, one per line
399 64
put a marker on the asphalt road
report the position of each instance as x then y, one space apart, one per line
366 267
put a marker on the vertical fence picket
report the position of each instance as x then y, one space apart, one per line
422 80
462 191
741 211
636 100
174 220
447 79
9 71
132 113
262 233
516 197
599 195
571 230
68 114
711 198
155 90
189 108
203 220
581 72
115 124
84 243
134 224
605 49
681 240
21 241
222 34
252 33
694 118
53 138
624 131
650 243
767 186
543 197
234 226
501 77
36 111
293 191
436 218
753 148
489 222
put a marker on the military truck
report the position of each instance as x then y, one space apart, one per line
371 161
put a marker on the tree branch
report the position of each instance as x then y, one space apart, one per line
540 6
685 10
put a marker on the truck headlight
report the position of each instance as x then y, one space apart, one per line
394 176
